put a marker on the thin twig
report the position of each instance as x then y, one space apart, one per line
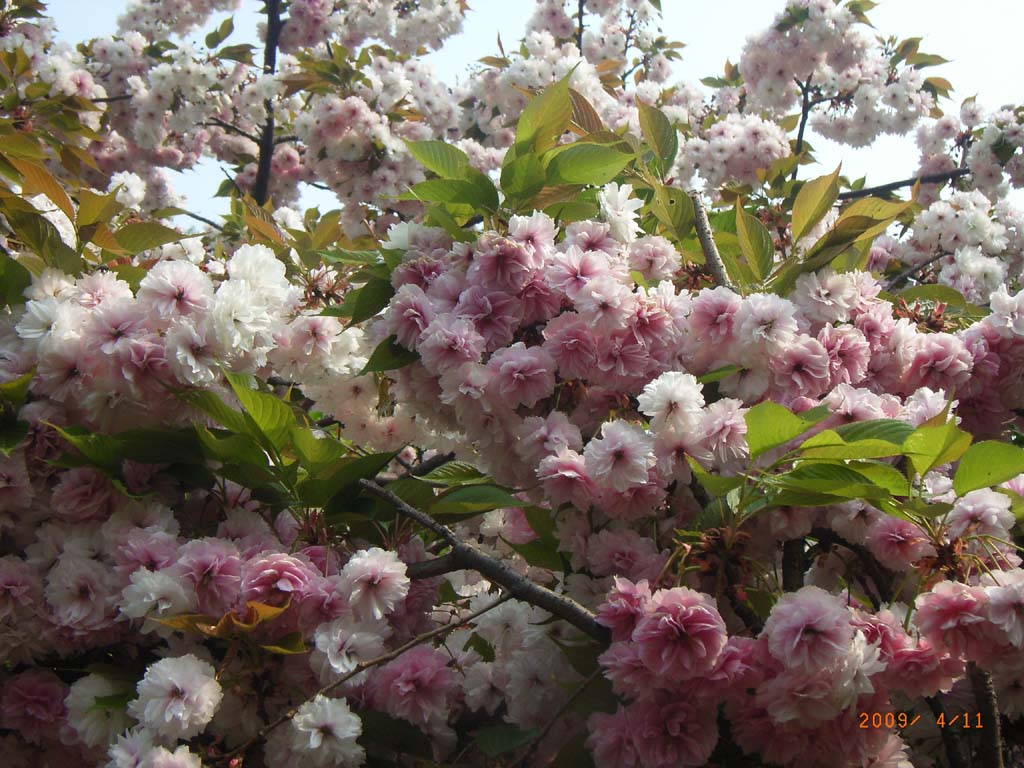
988 709
535 744
931 178
707 243
427 466
878 575
473 558
909 272
579 25
217 122
111 99
203 219
261 186
359 668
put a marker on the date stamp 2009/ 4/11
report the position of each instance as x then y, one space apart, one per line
901 720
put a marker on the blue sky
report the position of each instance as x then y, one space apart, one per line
981 38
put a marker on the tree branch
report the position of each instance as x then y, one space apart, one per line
909 272
707 243
261 186
985 699
954 749
805 112
579 25
469 556
931 178
877 574
203 219
218 123
438 566
793 565
361 667
429 465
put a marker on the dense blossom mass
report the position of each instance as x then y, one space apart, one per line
590 429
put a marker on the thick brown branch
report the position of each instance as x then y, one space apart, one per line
707 244
470 557
805 112
261 186
954 749
428 569
985 699
793 566
878 575
931 178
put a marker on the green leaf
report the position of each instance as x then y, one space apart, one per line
770 425
137 237
15 391
241 52
448 191
545 118
719 373
986 464
716 485
831 479
44 239
674 209
540 553
159 446
221 34
813 201
370 299
473 499
456 473
12 435
755 243
396 736
315 453
890 430
496 740
342 476
829 444
522 176
102 451
586 163
231 448
270 416
660 134
388 356
291 644
442 158
14 279
928 447
210 404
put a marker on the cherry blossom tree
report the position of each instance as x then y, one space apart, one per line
594 426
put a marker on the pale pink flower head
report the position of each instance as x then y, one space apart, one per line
763 319
592 236
809 629
724 432
674 399
605 303
175 289
954 617
570 271
571 343
494 314
1006 603
523 375
448 342
626 604
537 230
849 354
177 697
408 315
654 257
980 513
712 315
213 568
681 635
610 740
897 543
938 361
565 479
416 686
276 578
624 669
84 494
800 368
375 581
32 703
624 552
622 457
671 731
503 263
